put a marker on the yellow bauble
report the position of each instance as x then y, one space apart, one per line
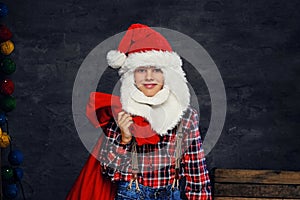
7 47
0 132
4 140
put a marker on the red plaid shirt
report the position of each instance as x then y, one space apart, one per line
157 162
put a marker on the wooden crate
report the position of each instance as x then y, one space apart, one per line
241 184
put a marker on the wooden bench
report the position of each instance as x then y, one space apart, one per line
241 184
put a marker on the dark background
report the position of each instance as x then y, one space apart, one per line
254 43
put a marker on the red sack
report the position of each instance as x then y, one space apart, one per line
102 107
91 184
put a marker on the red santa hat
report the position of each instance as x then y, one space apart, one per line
143 46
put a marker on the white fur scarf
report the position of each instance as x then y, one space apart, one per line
163 111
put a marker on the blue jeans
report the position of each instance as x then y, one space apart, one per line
146 193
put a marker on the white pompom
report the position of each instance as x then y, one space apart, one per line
115 58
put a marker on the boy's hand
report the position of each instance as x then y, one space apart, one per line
124 121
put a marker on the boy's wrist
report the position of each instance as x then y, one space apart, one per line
125 140
125 137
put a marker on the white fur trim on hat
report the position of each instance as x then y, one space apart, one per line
160 59
115 58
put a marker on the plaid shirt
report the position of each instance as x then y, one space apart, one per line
156 163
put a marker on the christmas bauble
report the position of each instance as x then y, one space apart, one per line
2 120
10 191
7 87
7 66
4 140
5 33
7 173
3 10
8 103
18 172
15 157
7 47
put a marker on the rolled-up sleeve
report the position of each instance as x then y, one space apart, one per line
113 155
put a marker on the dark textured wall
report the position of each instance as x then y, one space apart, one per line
255 44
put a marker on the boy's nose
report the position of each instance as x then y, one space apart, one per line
149 74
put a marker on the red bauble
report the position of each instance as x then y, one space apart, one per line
5 33
7 87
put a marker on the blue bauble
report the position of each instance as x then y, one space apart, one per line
2 119
18 173
10 191
3 10
15 157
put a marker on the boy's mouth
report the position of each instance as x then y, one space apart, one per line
149 86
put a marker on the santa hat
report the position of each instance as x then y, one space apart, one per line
143 46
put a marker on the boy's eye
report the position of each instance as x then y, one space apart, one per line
141 70
144 70
157 70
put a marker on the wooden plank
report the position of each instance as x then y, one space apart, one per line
256 176
256 190
242 198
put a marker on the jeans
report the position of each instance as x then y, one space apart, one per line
146 193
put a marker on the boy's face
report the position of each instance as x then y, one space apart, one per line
149 80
